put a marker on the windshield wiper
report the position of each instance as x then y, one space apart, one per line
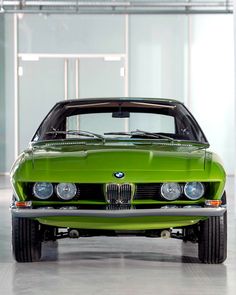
152 134
141 132
79 133
118 133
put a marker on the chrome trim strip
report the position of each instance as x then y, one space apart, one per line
37 213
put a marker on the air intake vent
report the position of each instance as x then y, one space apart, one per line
147 191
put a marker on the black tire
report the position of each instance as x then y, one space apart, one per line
212 246
26 240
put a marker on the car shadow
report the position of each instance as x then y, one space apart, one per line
50 252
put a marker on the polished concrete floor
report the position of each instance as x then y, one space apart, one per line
115 265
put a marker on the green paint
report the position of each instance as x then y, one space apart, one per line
130 223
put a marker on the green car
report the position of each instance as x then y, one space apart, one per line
119 166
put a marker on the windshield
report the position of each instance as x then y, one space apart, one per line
112 119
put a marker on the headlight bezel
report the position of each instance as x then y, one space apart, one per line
58 193
169 183
194 198
37 195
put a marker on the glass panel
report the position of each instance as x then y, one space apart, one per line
104 122
152 123
97 123
71 34
212 86
41 86
170 120
100 78
158 59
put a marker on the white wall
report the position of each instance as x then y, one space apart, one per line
158 56
212 82
189 58
2 93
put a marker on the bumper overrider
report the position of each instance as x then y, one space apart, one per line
183 211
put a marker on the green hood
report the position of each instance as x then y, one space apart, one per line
96 163
119 157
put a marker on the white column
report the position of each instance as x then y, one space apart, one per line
234 134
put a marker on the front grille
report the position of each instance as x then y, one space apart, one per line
147 191
112 193
125 193
119 193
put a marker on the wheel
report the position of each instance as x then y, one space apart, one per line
26 240
212 245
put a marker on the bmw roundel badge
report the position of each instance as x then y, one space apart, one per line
119 174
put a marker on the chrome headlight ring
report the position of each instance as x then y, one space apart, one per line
194 190
43 190
66 191
171 191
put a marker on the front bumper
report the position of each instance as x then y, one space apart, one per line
44 212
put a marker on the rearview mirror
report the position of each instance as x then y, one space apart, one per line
120 114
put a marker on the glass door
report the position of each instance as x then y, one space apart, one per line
45 81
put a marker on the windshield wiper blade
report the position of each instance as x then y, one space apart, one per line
79 133
118 133
141 132
88 133
151 134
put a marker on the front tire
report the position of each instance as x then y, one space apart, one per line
212 246
26 240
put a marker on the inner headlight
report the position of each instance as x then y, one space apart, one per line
43 190
194 190
66 191
171 191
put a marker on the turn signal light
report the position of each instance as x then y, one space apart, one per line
213 203
23 204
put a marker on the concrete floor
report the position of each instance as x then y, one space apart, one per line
115 265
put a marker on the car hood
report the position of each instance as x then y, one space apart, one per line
146 157
139 161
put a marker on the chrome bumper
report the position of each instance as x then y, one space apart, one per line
38 213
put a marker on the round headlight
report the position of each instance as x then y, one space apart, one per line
170 191
194 190
66 191
43 190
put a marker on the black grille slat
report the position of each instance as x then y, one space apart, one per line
147 191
